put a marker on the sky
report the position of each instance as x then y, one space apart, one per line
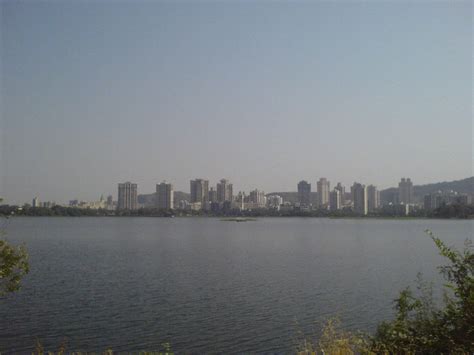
263 93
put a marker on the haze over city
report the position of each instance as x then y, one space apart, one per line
93 94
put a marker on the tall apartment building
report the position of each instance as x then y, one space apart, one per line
165 196
359 198
200 192
342 191
335 200
373 198
304 193
405 191
35 202
212 195
127 196
323 192
257 198
224 191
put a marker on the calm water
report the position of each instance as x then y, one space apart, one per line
210 286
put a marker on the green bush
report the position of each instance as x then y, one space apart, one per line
422 328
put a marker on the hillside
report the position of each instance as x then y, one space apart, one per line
461 186
465 186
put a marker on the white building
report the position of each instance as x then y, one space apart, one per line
373 198
323 188
257 198
35 202
127 196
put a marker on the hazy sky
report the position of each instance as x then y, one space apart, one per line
265 94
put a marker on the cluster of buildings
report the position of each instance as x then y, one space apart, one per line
102 203
202 197
45 204
359 198
439 198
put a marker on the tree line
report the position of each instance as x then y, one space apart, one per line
444 211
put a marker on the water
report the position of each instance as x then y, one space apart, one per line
205 285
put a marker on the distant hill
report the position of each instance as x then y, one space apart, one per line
465 186
462 186
148 200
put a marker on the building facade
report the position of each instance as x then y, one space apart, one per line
359 198
323 188
165 196
342 192
200 192
335 200
405 191
224 191
373 198
212 195
127 196
35 202
257 198
304 193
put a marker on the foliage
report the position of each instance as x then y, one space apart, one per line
455 210
421 328
445 211
165 349
13 264
335 340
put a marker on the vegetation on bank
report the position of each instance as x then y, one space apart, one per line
446 211
13 263
419 326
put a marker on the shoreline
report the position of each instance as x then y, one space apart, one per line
253 218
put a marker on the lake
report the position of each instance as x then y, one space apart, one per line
205 285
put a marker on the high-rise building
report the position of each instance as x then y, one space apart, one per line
342 191
359 198
224 191
165 196
323 193
200 192
405 191
335 200
429 201
212 195
304 193
127 196
240 201
35 202
373 198
257 198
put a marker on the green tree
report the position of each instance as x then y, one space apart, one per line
13 264
420 327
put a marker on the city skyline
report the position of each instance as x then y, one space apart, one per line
265 94
207 188
361 200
